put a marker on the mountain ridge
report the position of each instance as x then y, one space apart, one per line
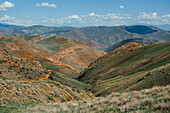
97 36
138 40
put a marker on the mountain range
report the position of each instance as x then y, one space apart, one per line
9 26
95 36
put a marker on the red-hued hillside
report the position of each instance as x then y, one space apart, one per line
56 53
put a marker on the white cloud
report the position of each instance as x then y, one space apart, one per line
6 18
166 16
92 14
6 5
27 16
111 19
144 15
93 19
44 4
74 17
121 7
13 20
150 18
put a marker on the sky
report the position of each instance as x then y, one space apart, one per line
78 13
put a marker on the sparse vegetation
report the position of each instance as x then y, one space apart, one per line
156 99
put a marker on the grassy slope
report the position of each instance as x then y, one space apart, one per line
154 100
52 43
126 69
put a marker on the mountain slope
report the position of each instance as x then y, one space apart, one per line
73 55
32 58
129 67
24 80
56 53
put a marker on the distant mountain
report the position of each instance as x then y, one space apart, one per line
164 27
101 37
139 29
132 66
41 30
138 40
98 36
9 26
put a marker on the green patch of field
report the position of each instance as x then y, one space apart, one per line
67 80
53 47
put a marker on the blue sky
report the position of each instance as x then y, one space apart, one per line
84 12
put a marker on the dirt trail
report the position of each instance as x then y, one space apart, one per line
46 77
43 78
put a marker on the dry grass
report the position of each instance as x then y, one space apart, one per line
24 92
156 99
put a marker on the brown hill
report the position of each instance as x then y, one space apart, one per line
56 53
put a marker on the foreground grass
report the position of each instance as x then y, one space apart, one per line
156 99
46 91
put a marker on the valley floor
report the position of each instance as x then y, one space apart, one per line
156 99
